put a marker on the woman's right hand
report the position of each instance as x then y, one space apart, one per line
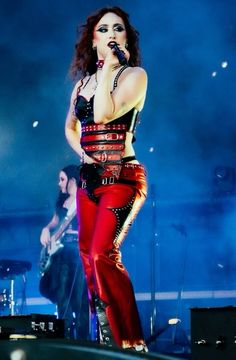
45 237
111 58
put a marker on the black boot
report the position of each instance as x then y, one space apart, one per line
106 337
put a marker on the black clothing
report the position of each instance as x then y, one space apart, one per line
84 110
64 284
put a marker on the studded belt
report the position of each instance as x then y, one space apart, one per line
108 181
127 176
106 157
103 137
103 147
106 145
103 127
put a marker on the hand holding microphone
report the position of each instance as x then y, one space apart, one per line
119 53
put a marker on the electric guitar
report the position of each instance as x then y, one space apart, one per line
55 245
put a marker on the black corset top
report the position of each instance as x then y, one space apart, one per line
84 112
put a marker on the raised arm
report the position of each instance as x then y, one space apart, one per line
130 93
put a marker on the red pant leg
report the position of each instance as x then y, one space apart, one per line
103 226
86 213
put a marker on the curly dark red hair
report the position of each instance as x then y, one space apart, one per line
85 58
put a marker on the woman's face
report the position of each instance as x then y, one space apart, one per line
63 182
110 28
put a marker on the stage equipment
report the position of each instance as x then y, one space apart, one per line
39 326
213 333
48 349
4 299
169 323
9 269
155 268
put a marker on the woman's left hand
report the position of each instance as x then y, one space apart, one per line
85 159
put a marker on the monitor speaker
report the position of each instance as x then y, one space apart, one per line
213 333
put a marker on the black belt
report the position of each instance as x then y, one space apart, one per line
83 184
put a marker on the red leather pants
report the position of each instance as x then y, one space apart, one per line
103 226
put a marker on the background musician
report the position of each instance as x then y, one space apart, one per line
63 282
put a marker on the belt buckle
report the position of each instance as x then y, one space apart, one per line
112 136
104 181
108 180
111 180
104 157
83 185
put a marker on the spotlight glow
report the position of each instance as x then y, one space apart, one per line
18 354
173 321
214 73
35 124
224 64
151 149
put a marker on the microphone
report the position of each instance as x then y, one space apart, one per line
120 55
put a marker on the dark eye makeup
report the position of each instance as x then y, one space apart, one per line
119 28
116 27
102 29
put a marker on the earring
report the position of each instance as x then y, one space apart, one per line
94 47
126 46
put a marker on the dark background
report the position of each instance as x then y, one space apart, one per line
184 237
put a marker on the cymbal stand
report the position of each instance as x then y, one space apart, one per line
12 298
154 244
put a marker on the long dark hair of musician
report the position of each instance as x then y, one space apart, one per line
71 171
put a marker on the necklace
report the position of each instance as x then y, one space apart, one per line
121 68
100 64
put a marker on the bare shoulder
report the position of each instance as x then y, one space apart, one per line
136 70
136 74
